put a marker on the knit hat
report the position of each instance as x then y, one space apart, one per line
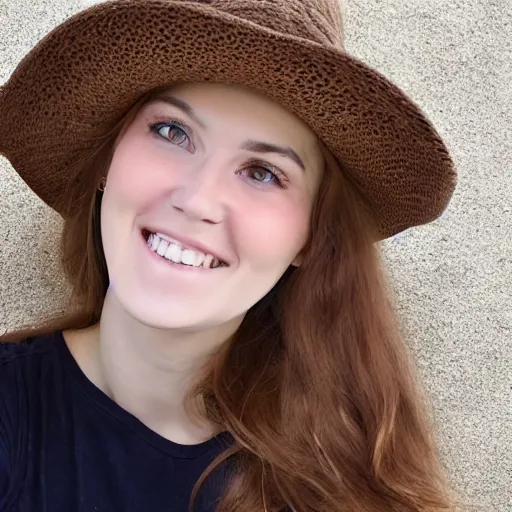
88 71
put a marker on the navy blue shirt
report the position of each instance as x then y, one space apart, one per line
65 446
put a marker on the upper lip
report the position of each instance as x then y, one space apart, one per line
188 243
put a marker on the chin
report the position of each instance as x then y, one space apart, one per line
171 316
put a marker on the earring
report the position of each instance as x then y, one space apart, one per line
103 184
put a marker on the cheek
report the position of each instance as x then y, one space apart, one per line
135 178
274 234
136 175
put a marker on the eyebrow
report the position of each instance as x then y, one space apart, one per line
265 147
182 105
249 145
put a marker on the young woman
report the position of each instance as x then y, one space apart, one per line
224 171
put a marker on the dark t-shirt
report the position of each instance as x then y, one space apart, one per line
65 446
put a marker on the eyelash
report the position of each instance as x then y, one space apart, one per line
158 124
278 177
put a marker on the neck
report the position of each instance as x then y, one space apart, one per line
149 371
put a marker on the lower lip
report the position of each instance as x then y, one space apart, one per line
175 266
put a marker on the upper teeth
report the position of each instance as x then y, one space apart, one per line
174 251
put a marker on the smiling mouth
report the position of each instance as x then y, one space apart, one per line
174 252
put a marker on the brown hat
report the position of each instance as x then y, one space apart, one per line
88 71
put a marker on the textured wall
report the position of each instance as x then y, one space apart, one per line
453 278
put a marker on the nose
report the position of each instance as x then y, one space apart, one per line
197 192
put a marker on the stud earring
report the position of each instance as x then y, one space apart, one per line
103 184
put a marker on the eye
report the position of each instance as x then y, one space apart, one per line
265 174
172 132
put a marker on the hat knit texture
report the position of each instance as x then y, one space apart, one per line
87 72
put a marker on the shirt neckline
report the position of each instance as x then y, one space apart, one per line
221 441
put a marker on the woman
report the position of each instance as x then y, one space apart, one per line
224 171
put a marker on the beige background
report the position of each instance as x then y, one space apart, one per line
453 277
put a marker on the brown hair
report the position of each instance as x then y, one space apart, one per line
316 386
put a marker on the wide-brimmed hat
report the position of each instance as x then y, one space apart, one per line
88 71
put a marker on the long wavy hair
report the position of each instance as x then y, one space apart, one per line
317 386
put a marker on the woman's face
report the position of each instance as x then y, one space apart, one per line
206 174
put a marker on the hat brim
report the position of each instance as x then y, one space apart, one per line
88 71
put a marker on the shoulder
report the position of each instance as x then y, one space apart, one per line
24 370
23 364
21 352
25 367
